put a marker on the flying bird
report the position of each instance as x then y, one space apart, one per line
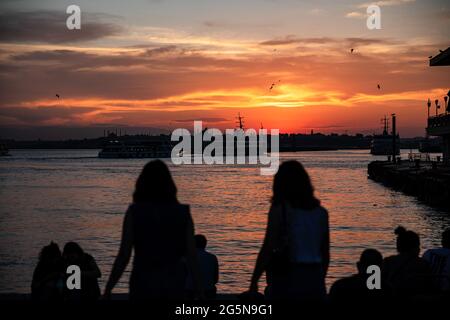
57 95
273 84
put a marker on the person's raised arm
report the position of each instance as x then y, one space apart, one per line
123 257
269 244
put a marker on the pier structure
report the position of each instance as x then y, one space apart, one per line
428 180
439 124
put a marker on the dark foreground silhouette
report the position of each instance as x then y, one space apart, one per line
296 250
354 288
170 263
49 277
160 230
209 269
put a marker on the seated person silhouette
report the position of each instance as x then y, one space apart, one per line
73 254
209 269
354 288
407 274
48 276
439 259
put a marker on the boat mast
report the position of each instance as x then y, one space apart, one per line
240 121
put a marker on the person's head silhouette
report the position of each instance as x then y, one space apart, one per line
446 238
200 241
72 252
369 257
155 184
50 253
292 185
407 241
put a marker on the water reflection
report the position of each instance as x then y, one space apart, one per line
71 195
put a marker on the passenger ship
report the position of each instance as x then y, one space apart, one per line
146 147
382 144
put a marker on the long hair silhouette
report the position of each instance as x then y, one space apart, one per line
293 185
155 184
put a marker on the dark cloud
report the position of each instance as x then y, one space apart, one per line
38 114
202 119
50 27
368 41
161 51
33 132
290 39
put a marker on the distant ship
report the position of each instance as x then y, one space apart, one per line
145 147
382 144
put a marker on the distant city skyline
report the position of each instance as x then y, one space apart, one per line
162 64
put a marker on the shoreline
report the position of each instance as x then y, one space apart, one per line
427 181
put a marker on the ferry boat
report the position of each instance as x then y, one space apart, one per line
150 147
382 144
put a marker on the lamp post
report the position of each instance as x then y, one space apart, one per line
394 138
429 106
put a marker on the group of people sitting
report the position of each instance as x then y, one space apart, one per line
405 275
170 262
49 277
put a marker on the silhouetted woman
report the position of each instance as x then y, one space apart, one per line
161 232
295 253
48 276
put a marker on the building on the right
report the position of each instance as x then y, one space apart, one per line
439 124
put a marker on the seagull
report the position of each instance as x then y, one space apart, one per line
271 87
57 95
379 87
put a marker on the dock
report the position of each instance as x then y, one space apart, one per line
429 181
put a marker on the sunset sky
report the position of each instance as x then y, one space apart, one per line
162 64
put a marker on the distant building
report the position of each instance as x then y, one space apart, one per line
439 125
